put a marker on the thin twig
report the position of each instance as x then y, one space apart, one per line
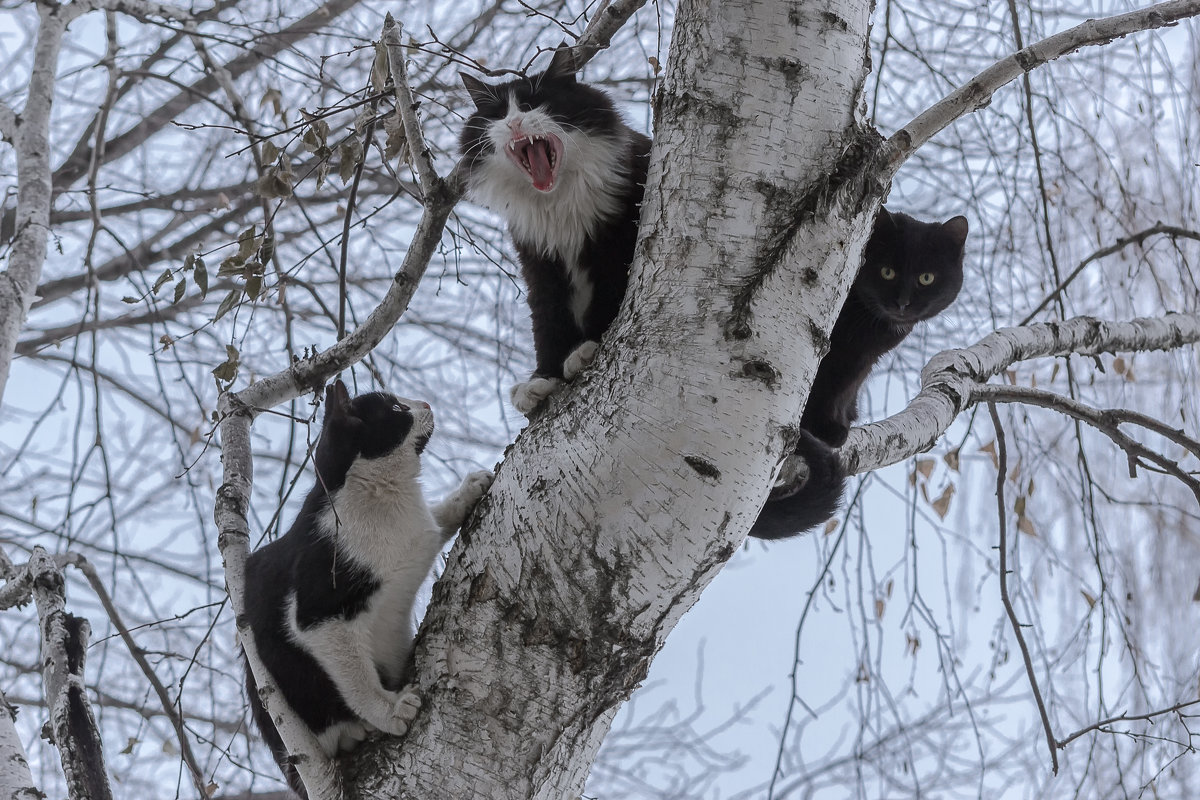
1105 421
1062 743
1001 477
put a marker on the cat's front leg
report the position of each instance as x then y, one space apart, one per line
452 512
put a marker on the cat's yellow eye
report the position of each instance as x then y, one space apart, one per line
925 278
887 273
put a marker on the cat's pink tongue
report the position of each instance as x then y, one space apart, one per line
538 155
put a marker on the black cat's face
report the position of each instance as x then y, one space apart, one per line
528 132
912 270
376 427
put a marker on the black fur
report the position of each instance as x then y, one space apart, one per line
605 255
877 316
333 586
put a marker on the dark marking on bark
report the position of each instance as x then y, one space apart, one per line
809 276
483 588
832 21
703 467
758 370
819 339
720 116
1025 59
852 183
795 16
794 72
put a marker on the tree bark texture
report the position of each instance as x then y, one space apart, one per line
16 782
628 493
64 649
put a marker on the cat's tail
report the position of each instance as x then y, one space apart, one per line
808 501
271 736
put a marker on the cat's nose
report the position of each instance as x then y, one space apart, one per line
424 405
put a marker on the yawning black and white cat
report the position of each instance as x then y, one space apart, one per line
329 603
553 157
911 272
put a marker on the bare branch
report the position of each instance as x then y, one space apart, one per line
1106 422
406 107
1010 612
140 9
950 379
1062 743
64 648
977 92
168 706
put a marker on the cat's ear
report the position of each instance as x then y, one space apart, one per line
884 223
956 230
563 64
480 92
337 402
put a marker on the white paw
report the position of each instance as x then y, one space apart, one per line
404 710
529 395
474 487
579 358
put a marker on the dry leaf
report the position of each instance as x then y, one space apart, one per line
911 644
990 449
1025 526
1091 601
879 606
951 459
941 506
887 590
1118 365
925 467
654 64
831 526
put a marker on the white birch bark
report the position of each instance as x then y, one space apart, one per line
31 140
618 505
16 782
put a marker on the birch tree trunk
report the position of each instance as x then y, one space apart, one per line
618 505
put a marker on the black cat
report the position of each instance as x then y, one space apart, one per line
911 272
329 603
553 157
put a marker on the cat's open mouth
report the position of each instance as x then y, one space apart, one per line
538 155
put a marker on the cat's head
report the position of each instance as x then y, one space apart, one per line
912 270
375 427
529 133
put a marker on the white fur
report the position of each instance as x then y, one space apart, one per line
580 357
381 521
586 192
528 395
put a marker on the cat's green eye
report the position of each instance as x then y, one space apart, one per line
925 278
887 273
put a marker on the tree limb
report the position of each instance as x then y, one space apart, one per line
951 378
16 781
977 92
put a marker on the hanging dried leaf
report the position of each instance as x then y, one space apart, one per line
831 526
161 281
253 286
229 302
925 467
247 243
1118 365
990 449
941 506
887 589
1019 506
231 266
1025 525
128 299
200 275
397 142
1091 601
951 459
180 288
166 341
227 370
269 153
911 644
275 98
654 64
379 68
879 607
349 154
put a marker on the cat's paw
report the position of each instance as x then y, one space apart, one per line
529 395
475 486
404 710
579 358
